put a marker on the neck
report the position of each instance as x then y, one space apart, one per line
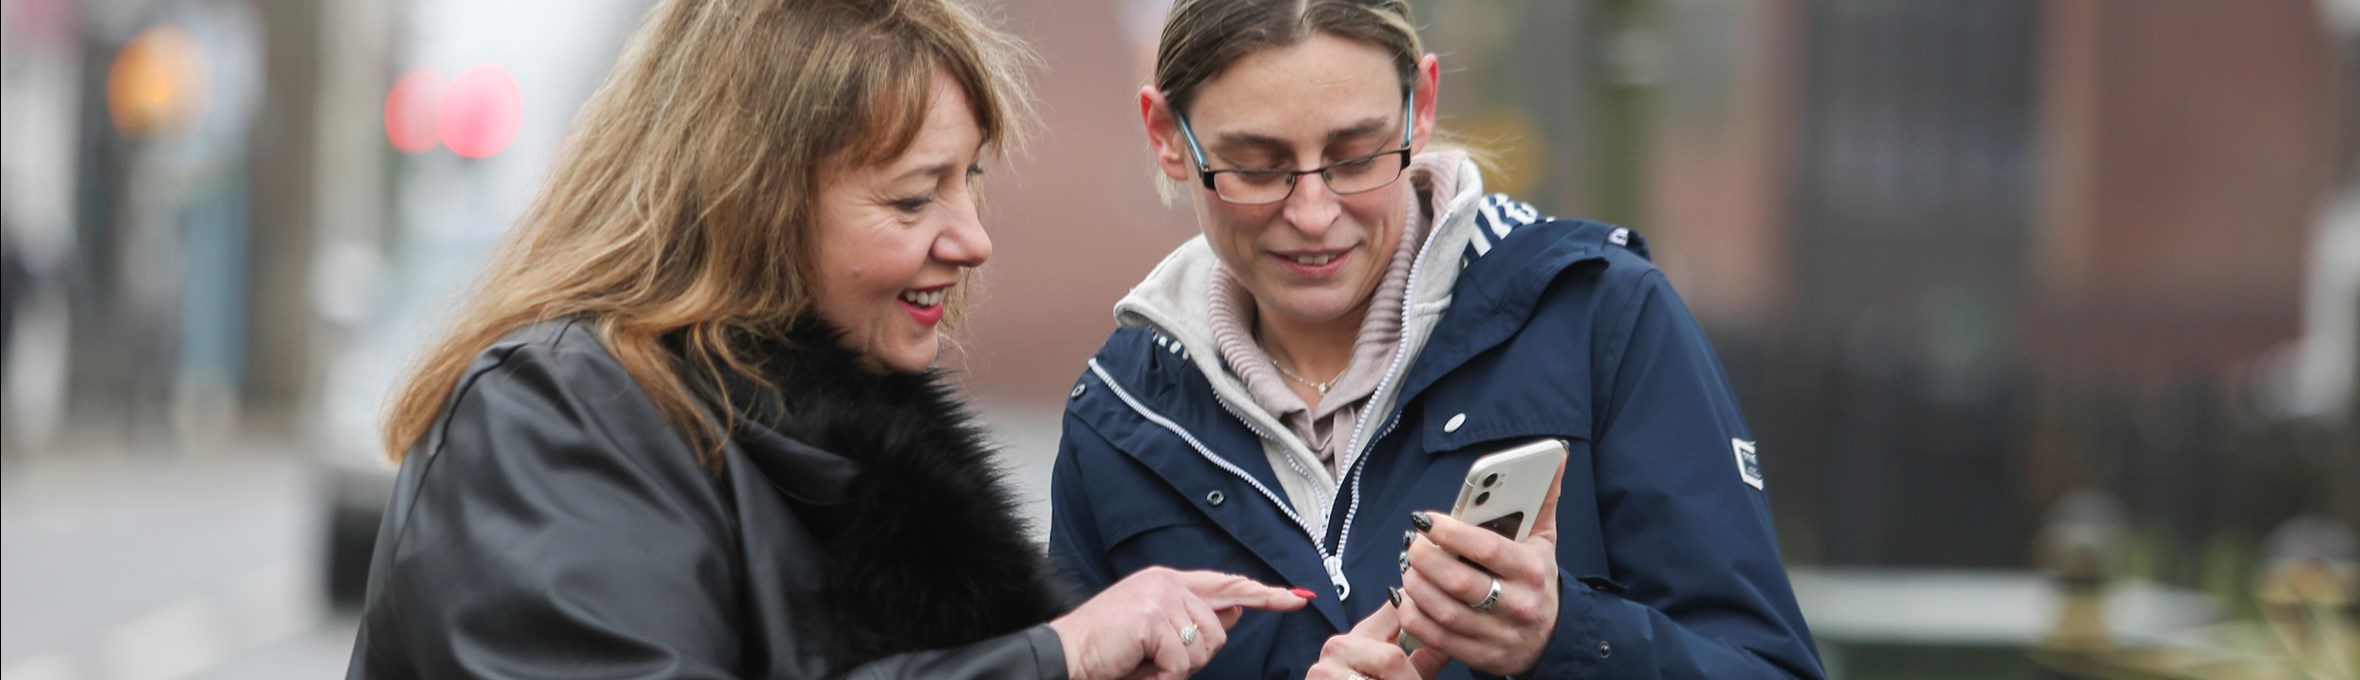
1314 351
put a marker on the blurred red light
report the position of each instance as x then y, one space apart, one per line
480 112
410 111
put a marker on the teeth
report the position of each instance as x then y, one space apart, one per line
925 298
1313 260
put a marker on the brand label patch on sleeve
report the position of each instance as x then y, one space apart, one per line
1749 465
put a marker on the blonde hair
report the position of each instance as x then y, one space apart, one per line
678 218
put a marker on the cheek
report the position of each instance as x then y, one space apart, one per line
877 265
1383 218
1233 232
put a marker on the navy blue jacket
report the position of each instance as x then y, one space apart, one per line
1668 563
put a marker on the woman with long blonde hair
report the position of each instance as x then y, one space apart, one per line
687 424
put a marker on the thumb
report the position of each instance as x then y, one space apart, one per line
1544 527
1382 625
1428 661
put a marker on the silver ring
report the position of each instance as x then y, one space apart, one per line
1188 634
1491 599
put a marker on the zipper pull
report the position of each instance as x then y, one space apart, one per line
1335 570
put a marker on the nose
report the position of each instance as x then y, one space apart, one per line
963 242
1312 208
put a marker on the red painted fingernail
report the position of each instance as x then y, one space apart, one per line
1304 593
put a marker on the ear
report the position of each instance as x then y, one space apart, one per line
1163 134
1424 99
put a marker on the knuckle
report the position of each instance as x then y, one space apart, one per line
1533 613
1462 582
1334 646
1446 615
1489 552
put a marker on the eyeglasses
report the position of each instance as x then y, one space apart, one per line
1264 186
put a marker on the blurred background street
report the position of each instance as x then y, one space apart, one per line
2046 313
198 566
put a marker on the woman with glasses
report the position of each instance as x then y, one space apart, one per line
1297 395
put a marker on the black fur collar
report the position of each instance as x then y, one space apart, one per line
925 549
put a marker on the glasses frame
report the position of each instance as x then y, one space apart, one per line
1205 171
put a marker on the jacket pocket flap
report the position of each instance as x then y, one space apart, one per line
1443 437
1119 528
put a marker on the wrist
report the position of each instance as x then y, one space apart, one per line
1069 641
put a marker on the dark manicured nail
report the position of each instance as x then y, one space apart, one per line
1407 538
1421 521
1304 593
1396 593
1405 563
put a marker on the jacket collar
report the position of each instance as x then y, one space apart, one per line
1497 294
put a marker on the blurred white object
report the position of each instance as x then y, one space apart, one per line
2313 377
1982 608
34 397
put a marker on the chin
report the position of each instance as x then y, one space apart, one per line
913 358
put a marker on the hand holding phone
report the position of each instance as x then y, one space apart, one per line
1504 492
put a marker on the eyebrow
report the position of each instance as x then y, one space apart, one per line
1365 127
937 169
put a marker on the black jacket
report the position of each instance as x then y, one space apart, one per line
552 524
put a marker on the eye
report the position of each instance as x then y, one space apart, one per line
1356 166
1262 177
914 204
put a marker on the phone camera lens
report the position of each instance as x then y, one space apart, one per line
1491 480
1482 498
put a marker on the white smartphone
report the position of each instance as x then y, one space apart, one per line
1504 491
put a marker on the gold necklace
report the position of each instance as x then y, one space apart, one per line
1321 386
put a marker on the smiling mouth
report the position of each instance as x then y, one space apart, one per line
1313 260
926 299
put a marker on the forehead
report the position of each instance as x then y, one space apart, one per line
950 117
1302 91
946 139
949 128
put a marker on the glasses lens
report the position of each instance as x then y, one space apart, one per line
1252 187
1366 173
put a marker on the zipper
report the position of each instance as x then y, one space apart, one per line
1332 563
1361 450
1325 500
